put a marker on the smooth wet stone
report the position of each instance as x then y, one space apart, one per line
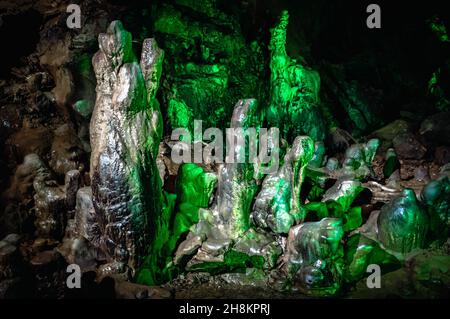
22 182
277 205
188 247
229 218
391 163
195 188
402 224
236 185
358 159
421 174
319 155
313 256
115 268
77 250
344 192
210 256
363 251
436 198
332 164
125 132
213 249
84 108
255 243
394 180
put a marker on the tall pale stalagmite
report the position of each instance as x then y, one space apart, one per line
125 133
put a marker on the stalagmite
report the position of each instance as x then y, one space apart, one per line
125 133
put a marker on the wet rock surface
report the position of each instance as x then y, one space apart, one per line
121 167
277 205
88 178
310 250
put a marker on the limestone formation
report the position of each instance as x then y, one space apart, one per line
277 205
125 133
402 224
229 218
294 90
313 256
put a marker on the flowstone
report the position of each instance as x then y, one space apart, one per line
436 199
125 132
229 219
294 90
402 224
313 259
361 252
277 206
236 186
358 159
195 188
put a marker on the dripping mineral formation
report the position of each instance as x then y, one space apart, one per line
88 121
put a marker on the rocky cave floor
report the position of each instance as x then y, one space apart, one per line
43 132
34 267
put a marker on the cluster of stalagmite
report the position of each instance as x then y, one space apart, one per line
234 218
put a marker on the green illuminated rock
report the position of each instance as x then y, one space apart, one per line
209 64
319 155
195 188
255 243
294 90
358 159
343 192
391 163
436 199
277 205
439 29
236 185
229 219
180 115
313 259
362 252
402 224
337 202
